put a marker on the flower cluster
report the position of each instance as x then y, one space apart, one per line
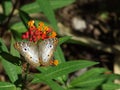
38 33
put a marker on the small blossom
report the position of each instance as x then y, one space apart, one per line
49 30
55 62
53 34
41 32
23 36
38 37
40 28
32 28
31 23
41 24
44 36
27 34
46 28
31 39
31 33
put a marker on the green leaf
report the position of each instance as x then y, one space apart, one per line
19 27
14 62
93 73
58 54
13 51
93 82
10 68
7 7
60 3
34 7
10 58
110 86
88 88
64 39
24 17
112 77
63 69
18 88
52 84
47 10
31 8
3 46
7 86
16 35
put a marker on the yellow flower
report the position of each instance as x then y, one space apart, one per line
40 28
53 34
55 62
41 24
44 32
31 23
46 28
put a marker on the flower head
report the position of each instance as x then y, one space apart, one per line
41 32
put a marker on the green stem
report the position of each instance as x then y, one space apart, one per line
25 77
26 72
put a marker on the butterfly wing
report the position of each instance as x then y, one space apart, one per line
29 51
46 50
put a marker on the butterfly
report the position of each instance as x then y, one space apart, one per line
37 54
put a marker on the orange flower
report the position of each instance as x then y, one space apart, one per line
41 24
49 30
35 34
38 37
55 62
40 28
31 23
46 28
53 34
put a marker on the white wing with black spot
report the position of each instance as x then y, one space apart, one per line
46 50
29 51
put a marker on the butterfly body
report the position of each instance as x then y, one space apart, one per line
37 54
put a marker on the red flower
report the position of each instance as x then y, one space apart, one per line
37 33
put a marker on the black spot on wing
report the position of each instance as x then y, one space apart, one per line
25 49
